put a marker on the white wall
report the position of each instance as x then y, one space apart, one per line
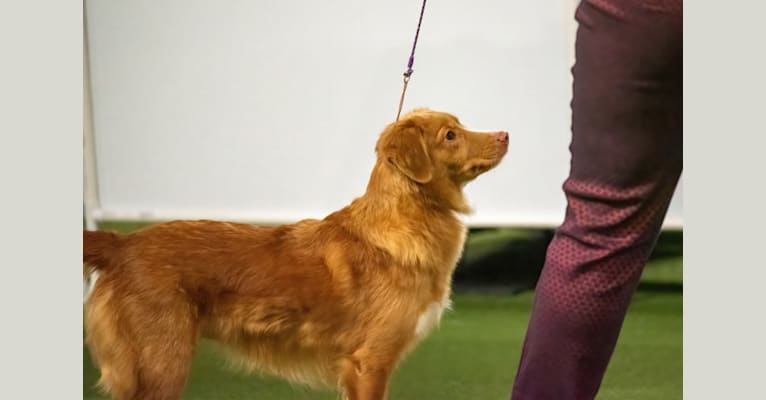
268 111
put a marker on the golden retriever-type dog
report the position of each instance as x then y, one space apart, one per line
336 302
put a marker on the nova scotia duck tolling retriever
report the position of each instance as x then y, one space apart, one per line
335 302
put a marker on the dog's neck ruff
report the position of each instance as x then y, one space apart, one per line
393 190
407 221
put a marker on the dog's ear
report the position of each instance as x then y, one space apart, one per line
403 146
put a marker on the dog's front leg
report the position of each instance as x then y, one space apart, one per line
368 385
365 379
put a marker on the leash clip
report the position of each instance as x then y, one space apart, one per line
407 74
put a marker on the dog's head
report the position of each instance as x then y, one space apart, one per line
434 150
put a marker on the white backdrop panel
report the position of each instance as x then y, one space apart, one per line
268 111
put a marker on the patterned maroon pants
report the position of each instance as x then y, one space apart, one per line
626 160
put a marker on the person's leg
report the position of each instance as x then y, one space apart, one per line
626 160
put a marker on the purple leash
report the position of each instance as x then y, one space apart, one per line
411 61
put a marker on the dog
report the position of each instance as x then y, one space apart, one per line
336 302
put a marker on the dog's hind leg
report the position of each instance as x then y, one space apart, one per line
110 349
165 349
144 351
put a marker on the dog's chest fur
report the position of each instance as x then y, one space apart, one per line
430 317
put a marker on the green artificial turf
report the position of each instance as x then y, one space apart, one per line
474 354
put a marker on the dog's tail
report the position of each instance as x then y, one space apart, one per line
98 247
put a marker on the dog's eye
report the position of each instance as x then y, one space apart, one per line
450 135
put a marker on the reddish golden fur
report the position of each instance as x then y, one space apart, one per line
333 302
